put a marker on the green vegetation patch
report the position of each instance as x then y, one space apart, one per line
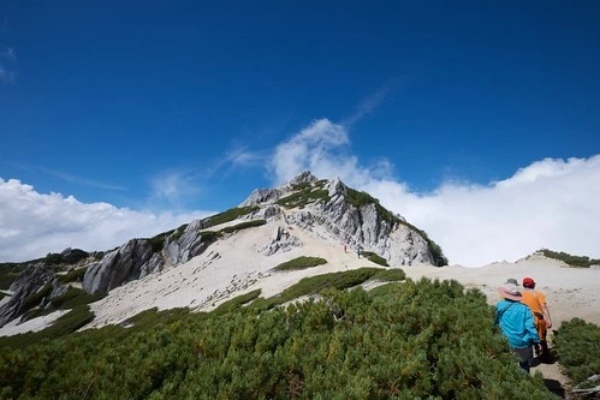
576 343
179 232
390 275
9 272
575 261
211 236
376 258
75 275
231 214
361 199
316 284
158 242
36 298
236 302
420 340
63 326
2 295
243 225
75 297
306 194
152 317
36 312
302 262
73 257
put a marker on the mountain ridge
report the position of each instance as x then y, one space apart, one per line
327 208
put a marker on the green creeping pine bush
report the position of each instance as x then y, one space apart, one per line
419 340
75 275
376 258
302 262
74 256
36 298
2 295
64 325
360 199
575 261
576 343
306 194
158 242
231 214
9 272
236 302
335 280
211 236
395 274
74 297
244 225
179 232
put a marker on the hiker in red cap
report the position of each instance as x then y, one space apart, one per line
536 301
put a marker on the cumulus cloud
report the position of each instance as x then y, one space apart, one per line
314 148
33 224
552 203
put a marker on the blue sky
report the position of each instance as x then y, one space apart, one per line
167 111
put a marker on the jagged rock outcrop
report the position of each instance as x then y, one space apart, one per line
188 245
262 196
30 281
281 241
367 226
121 265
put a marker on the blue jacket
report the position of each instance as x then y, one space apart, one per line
517 324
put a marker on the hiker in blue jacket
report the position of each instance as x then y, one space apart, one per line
517 324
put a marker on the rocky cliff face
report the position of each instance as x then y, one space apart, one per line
126 263
352 217
33 280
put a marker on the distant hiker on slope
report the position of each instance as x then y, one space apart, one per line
536 301
517 324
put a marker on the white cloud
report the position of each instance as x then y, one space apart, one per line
174 187
7 70
6 75
312 148
9 54
551 203
33 224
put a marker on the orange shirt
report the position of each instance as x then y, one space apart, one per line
534 300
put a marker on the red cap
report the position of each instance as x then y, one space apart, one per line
528 282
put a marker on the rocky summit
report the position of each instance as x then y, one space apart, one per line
304 217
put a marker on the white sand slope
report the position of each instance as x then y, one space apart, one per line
227 269
571 292
33 325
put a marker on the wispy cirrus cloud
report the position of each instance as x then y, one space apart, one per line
79 180
8 53
550 203
371 102
8 61
174 187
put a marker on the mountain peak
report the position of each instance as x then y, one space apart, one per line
303 177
